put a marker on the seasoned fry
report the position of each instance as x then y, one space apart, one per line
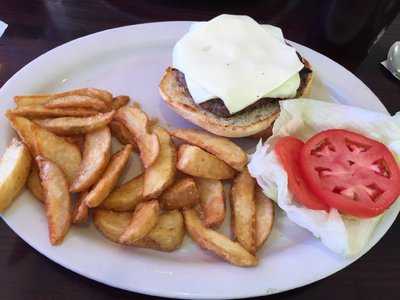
15 165
137 122
217 243
264 217
161 174
96 155
110 223
78 140
120 101
80 213
109 179
221 147
45 143
142 222
57 199
212 201
126 196
31 100
74 125
34 185
77 101
244 211
122 134
40 112
194 161
183 193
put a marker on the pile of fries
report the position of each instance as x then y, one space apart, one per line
64 158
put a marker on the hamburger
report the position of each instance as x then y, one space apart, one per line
229 74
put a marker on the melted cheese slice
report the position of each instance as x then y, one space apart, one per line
237 60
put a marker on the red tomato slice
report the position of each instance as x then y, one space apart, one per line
288 150
350 172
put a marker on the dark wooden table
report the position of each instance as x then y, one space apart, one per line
344 30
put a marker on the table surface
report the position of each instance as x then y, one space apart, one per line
355 33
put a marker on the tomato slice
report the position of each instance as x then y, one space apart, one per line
350 172
288 150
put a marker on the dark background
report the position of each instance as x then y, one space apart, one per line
355 33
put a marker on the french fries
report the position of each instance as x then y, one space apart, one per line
80 213
121 133
138 124
78 140
126 196
56 198
104 186
217 243
161 173
31 100
183 193
166 236
34 185
143 221
76 126
96 155
15 165
212 201
77 101
40 112
194 161
45 143
221 147
120 101
244 211
264 217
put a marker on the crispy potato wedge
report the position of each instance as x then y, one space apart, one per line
217 243
120 101
77 101
264 217
80 213
122 134
183 193
194 161
31 100
15 165
126 196
138 124
221 147
56 198
212 201
76 126
161 173
40 112
143 220
243 209
96 155
78 140
45 143
34 185
110 223
107 182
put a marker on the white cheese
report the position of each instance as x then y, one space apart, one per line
237 60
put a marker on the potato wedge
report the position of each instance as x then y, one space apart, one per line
161 174
167 235
122 134
40 112
120 101
212 201
243 209
34 185
45 143
194 161
107 182
221 147
183 193
76 126
143 220
15 165
80 213
78 140
126 196
31 100
217 243
264 217
96 155
138 124
77 101
57 199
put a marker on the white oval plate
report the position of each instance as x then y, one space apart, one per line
130 60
